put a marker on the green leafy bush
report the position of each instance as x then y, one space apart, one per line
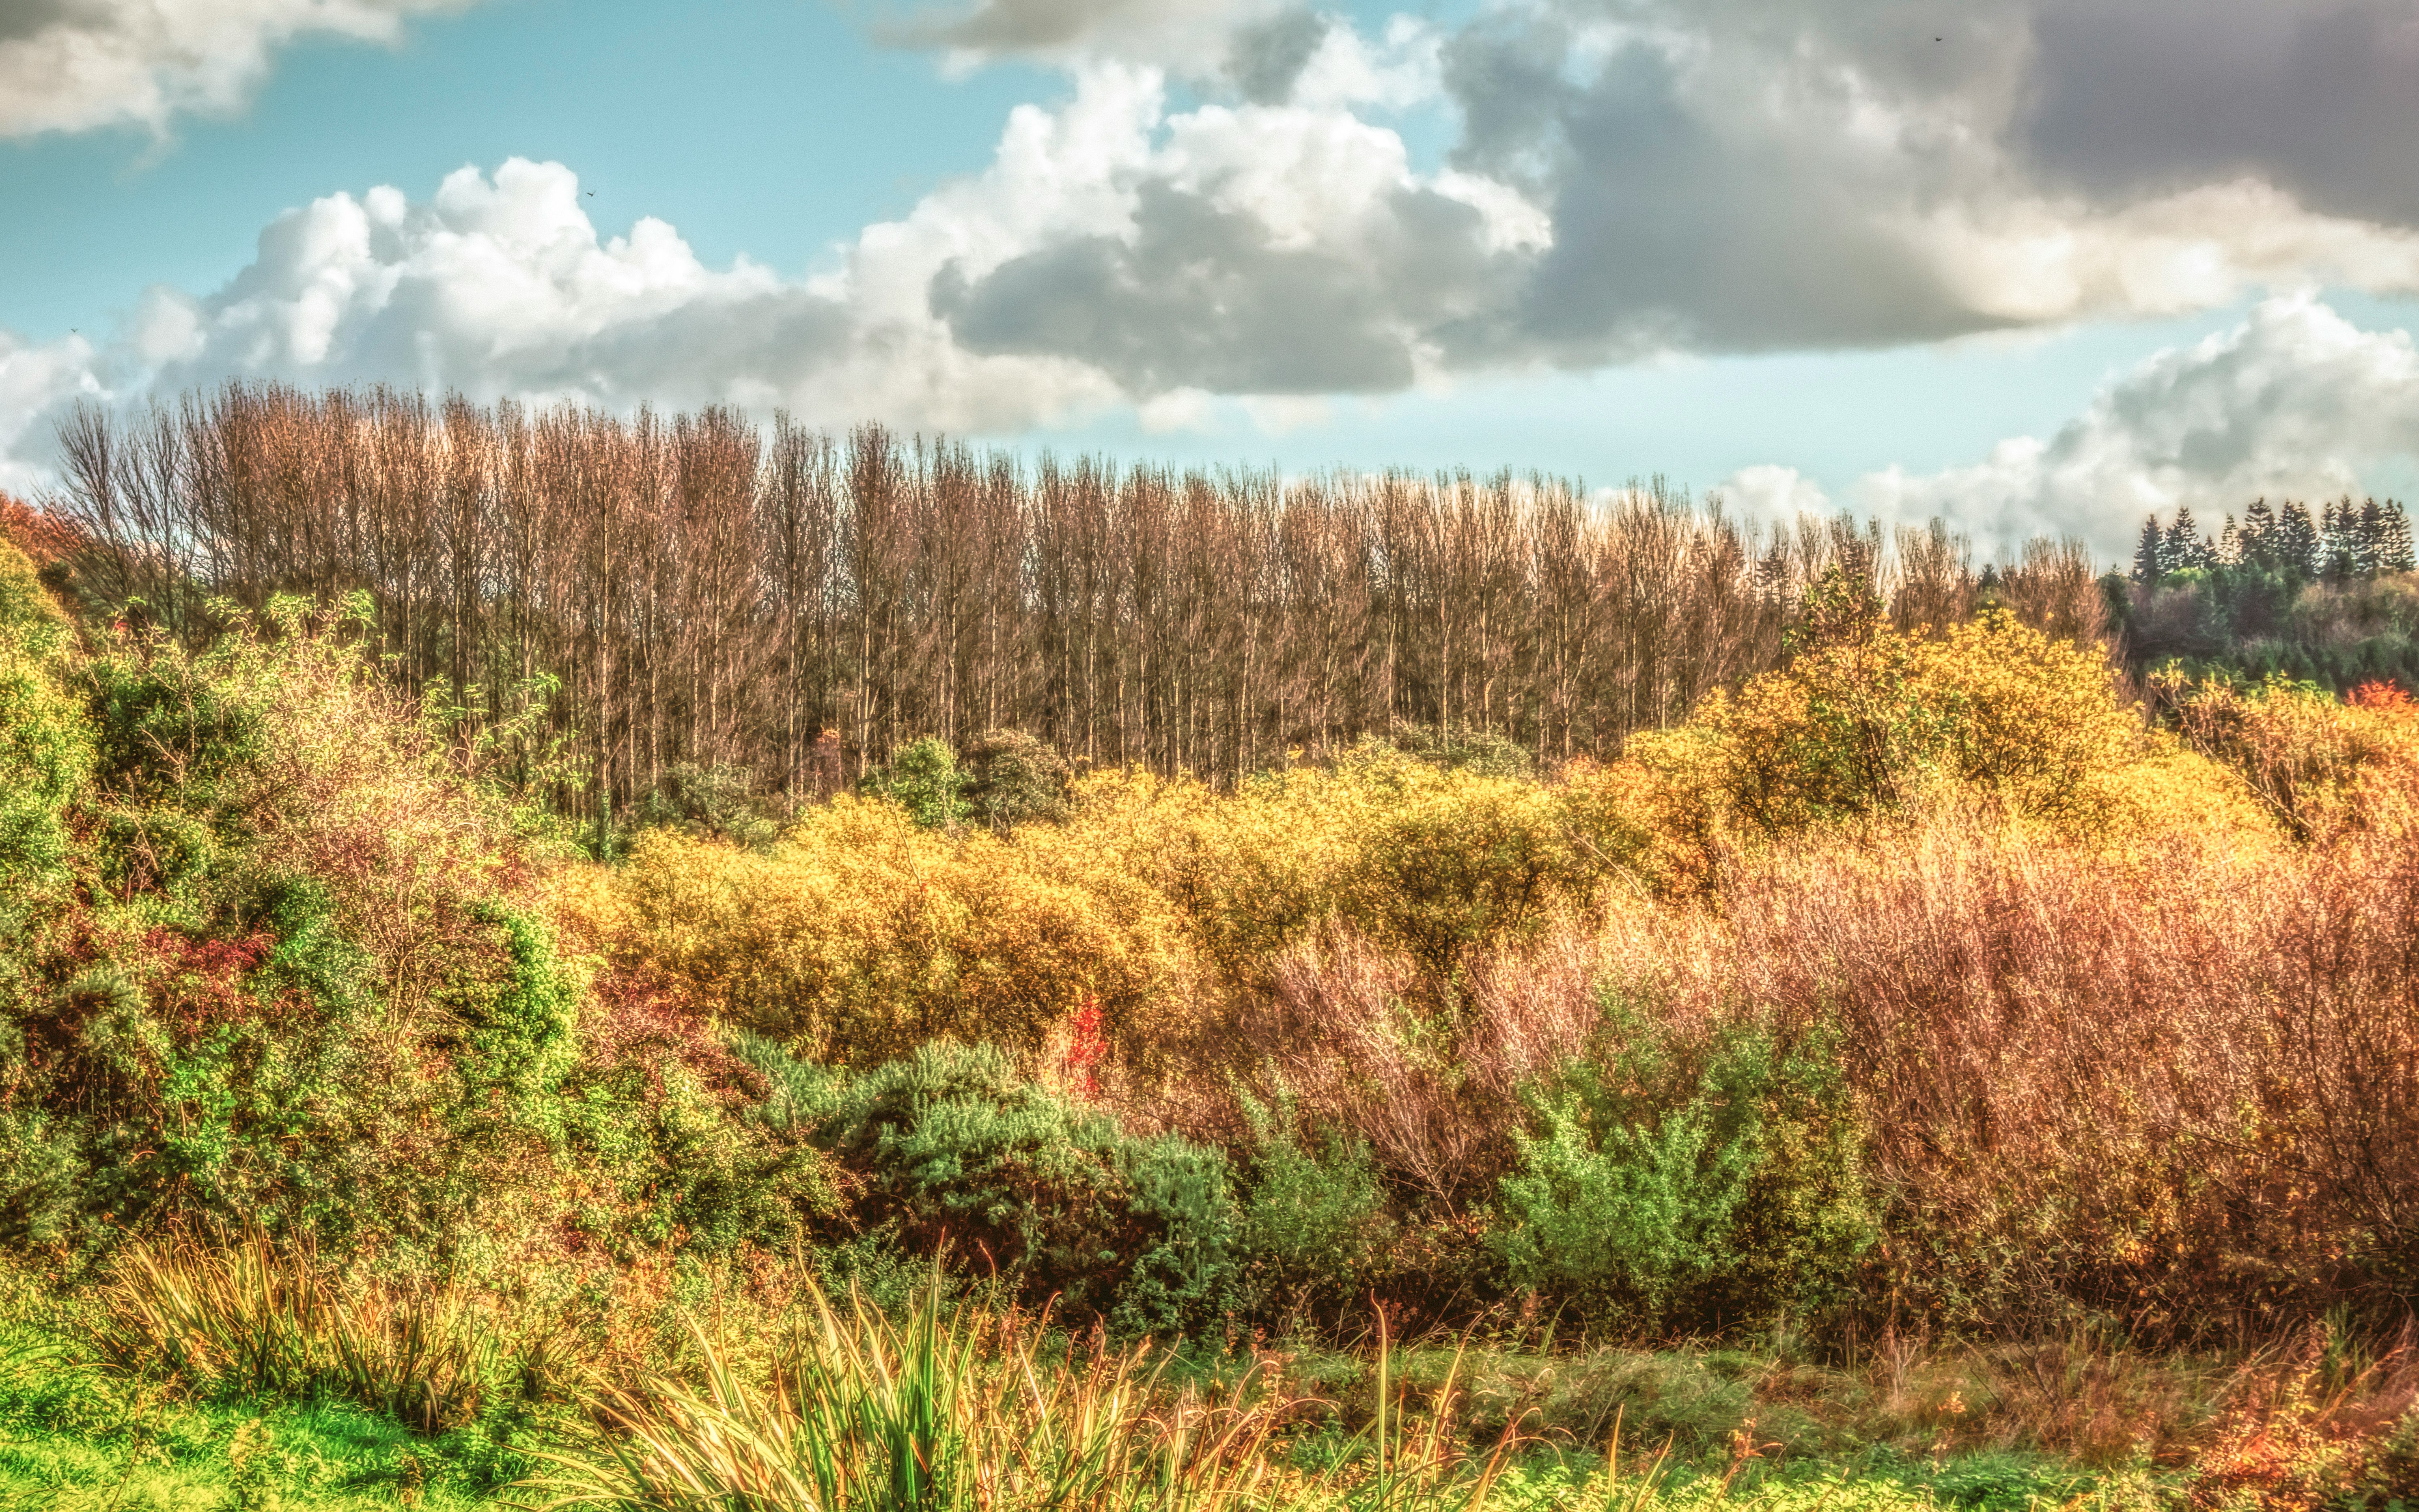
922 776
1013 778
953 1147
1312 1219
1675 1180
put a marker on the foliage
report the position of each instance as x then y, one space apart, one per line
2313 762
1312 1219
1673 1170
955 1149
922 776
1867 720
1013 778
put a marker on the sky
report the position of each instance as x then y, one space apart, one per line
2033 265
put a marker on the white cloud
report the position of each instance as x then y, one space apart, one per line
73 65
1635 177
499 284
2295 400
1736 176
33 380
1769 491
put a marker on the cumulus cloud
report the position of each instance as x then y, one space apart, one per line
1632 177
34 382
2294 401
1737 175
1192 35
1246 234
1638 177
73 65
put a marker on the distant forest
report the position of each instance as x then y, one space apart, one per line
2324 598
696 592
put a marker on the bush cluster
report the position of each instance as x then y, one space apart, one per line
1920 981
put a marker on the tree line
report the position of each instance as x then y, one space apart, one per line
2342 542
697 592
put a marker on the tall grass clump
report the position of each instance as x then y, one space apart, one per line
244 1319
943 1408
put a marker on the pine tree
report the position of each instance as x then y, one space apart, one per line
2392 538
2338 548
2149 558
2260 535
2368 538
2184 546
2297 540
2230 545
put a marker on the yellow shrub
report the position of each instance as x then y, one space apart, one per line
2315 765
860 935
1867 725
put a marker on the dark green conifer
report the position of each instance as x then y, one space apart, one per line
2297 540
2149 558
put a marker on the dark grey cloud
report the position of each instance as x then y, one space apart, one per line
21 18
2321 98
1203 298
1708 193
1266 58
1671 229
1013 25
1187 35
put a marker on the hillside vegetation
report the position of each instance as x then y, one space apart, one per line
1910 1055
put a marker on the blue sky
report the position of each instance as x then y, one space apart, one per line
1798 252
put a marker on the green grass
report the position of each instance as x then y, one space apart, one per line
1693 1429
77 1438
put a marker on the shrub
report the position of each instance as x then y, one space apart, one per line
862 934
1013 778
1312 1219
1869 720
2315 765
42 1170
956 1149
719 801
46 751
1673 1176
516 1006
922 776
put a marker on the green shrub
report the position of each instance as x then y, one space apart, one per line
955 1149
922 776
1012 778
1673 1181
1312 1221
1479 752
517 1006
46 757
42 1170
716 801
684 1171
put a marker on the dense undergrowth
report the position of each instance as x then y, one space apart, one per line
1971 1066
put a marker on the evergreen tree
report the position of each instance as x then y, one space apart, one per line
2338 542
2184 546
2230 545
2258 535
2297 540
2369 539
2392 538
2149 558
